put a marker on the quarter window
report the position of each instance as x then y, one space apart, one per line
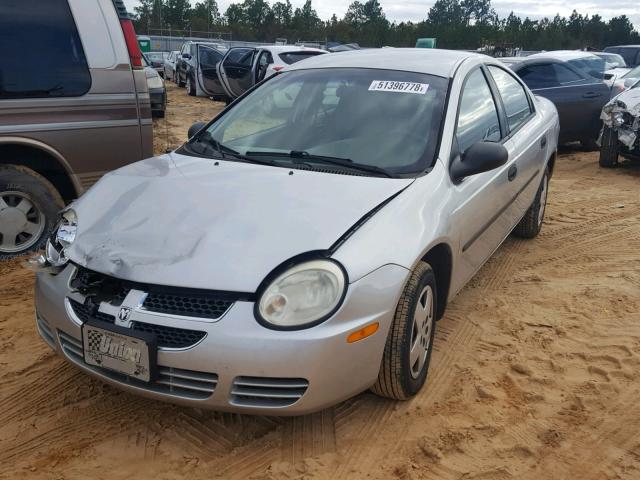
42 55
478 116
514 97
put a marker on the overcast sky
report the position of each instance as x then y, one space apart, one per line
416 10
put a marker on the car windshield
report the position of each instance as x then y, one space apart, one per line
613 60
384 119
156 56
633 73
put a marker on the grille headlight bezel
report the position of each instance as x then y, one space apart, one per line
301 296
62 237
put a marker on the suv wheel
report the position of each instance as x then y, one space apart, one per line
191 87
29 206
407 353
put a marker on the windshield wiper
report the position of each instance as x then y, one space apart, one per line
304 157
223 151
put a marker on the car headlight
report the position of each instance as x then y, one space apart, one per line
303 295
63 236
155 82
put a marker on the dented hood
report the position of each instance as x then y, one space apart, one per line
183 221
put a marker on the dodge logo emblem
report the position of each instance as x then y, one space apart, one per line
124 314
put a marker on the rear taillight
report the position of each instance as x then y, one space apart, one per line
135 55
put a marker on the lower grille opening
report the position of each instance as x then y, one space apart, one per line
178 382
45 331
168 337
267 392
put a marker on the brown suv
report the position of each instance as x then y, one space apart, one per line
74 104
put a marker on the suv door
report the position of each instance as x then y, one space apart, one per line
236 70
208 79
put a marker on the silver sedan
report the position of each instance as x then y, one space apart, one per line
299 248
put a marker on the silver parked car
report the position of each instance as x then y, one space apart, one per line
325 220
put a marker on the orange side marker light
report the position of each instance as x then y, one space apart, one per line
363 333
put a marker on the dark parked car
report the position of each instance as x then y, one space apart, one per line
573 82
630 53
156 61
157 90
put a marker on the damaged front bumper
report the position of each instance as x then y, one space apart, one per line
236 364
622 114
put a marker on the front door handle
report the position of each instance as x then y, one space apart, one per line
591 95
512 173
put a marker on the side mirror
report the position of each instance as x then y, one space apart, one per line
195 128
628 82
186 55
479 157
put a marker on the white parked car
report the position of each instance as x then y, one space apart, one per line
614 65
170 66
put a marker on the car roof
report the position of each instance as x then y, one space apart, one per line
290 48
623 46
442 63
562 54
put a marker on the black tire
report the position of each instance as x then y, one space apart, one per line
179 81
531 223
609 150
18 183
398 378
191 86
157 113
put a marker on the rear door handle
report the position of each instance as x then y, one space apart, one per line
543 142
591 95
512 173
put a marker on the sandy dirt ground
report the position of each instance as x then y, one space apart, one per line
535 374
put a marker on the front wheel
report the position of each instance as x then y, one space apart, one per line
609 150
531 223
407 353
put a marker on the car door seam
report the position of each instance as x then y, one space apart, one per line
497 215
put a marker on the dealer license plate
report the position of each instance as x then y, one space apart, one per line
115 351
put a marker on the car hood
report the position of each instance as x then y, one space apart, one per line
193 222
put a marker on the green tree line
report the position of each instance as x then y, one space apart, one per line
465 24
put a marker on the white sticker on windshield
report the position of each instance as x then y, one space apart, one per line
403 87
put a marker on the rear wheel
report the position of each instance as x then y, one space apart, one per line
531 223
609 149
29 206
407 353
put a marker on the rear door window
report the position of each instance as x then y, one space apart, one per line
42 53
514 97
539 76
630 55
478 115
292 57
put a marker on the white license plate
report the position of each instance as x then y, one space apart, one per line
112 350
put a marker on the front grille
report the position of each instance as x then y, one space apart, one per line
45 331
88 312
178 382
267 392
170 337
200 306
160 299
167 337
